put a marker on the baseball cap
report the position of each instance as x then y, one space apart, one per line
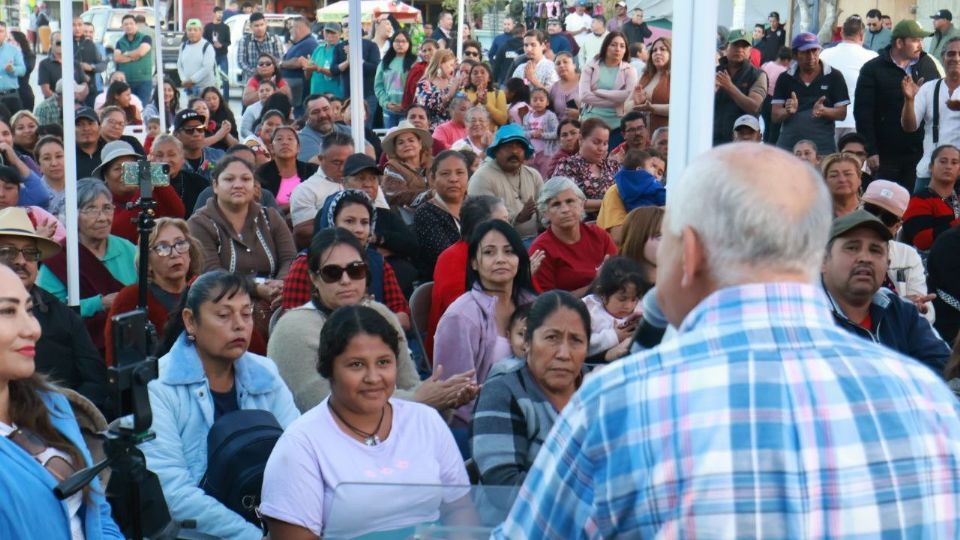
855 220
738 35
87 113
359 162
943 14
888 195
332 27
194 23
908 28
185 116
621 4
749 121
774 14
805 41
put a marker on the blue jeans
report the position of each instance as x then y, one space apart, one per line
390 120
372 105
224 64
143 90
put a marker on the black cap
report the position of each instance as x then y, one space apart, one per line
10 175
943 14
357 163
185 116
774 14
88 113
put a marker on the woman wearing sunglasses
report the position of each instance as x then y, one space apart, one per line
206 371
266 71
174 260
40 441
339 271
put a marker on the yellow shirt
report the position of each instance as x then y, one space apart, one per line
612 211
496 106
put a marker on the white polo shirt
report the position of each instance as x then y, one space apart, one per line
949 122
848 58
308 197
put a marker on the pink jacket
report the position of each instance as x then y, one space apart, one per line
591 95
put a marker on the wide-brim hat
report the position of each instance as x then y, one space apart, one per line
14 221
405 127
111 151
509 133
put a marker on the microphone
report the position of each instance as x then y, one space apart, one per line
652 325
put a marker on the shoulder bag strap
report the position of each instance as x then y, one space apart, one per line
936 113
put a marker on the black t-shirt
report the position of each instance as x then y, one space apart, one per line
225 402
50 71
802 125
222 32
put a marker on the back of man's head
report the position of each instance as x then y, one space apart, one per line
768 213
853 27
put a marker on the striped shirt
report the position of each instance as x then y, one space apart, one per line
761 419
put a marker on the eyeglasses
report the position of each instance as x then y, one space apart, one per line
193 130
888 218
60 468
265 64
332 273
165 250
93 211
9 254
471 53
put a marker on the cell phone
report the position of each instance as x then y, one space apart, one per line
158 174
571 104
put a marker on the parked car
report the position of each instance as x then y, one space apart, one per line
108 28
239 26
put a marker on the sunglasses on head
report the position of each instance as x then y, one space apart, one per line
332 273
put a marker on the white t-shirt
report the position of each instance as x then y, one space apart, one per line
308 197
575 22
545 71
848 58
949 122
314 458
74 501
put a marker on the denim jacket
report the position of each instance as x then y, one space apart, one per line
182 418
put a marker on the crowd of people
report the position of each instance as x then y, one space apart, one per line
457 299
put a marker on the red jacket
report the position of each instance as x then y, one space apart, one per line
926 217
410 88
449 283
168 205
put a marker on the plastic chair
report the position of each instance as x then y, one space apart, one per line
420 315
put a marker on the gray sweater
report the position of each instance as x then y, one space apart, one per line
198 63
295 343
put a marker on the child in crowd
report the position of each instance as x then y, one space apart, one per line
638 180
516 333
541 124
517 95
615 307
153 131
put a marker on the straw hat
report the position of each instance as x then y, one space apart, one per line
14 221
111 151
406 127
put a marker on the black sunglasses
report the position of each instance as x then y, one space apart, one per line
888 218
264 64
57 43
332 273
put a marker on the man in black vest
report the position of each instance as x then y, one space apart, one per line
739 87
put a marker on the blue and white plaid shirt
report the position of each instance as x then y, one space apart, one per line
762 419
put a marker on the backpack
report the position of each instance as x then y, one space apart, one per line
238 446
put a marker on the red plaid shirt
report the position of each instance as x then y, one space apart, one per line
297 287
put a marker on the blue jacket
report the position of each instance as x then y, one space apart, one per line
639 188
29 508
898 324
182 418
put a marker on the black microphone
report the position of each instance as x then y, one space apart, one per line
652 325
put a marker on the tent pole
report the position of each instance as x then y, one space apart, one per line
70 156
158 49
355 57
460 8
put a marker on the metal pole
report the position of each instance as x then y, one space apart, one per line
158 49
70 156
355 37
691 81
460 9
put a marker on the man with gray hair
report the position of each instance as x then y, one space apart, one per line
761 418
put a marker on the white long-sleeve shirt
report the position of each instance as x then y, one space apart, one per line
603 325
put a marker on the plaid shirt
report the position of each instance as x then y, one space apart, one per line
49 112
297 287
761 419
251 49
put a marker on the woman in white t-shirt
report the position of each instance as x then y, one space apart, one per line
330 466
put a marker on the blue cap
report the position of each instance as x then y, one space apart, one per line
508 133
805 41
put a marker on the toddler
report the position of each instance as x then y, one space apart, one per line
517 94
517 334
541 123
153 131
615 307
638 181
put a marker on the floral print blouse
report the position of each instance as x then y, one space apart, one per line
431 97
578 169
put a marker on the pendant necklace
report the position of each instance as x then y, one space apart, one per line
369 439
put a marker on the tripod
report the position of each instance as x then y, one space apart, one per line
134 492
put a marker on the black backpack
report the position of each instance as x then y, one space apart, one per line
238 446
